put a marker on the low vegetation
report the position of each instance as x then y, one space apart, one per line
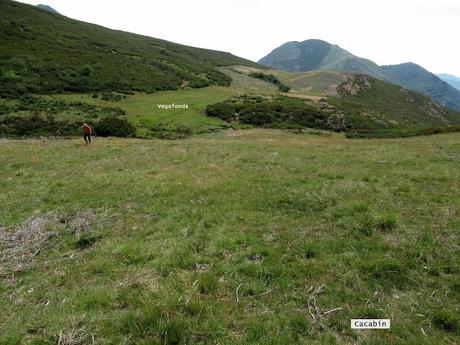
37 125
278 112
270 78
34 116
401 132
59 108
114 127
238 237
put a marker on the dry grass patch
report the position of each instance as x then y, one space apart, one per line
22 243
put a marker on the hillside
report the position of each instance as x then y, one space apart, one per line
43 52
414 77
351 102
378 106
389 105
451 79
313 55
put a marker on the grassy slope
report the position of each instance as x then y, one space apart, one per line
388 105
316 83
224 239
414 77
44 52
312 83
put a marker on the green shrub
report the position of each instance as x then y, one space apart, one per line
446 321
34 104
223 110
270 78
280 112
111 96
284 88
163 131
86 71
114 127
400 132
36 125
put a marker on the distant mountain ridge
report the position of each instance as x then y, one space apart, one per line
450 79
317 54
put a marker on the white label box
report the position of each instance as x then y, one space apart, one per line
370 323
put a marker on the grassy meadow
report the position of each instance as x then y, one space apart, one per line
305 84
238 237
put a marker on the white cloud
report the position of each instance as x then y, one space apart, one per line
388 32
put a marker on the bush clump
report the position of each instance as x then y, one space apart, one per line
164 131
111 96
280 112
270 78
36 125
114 127
446 321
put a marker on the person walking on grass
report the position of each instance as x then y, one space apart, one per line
87 132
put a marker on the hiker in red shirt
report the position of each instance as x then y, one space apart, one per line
87 132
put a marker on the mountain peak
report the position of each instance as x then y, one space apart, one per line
315 40
47 8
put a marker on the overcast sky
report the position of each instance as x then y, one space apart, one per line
385 31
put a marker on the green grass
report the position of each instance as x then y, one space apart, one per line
142 109
317 83
229 238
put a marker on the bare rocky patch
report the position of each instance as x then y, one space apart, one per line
354 86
